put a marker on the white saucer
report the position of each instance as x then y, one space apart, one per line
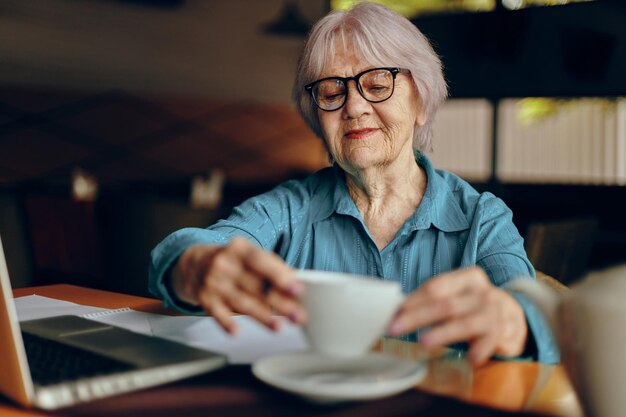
323 379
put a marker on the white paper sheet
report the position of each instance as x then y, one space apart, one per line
33 307
136 321
252 342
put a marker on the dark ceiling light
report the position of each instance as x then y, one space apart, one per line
289 23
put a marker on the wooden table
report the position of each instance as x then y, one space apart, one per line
514 386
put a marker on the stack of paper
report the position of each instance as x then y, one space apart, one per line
252 342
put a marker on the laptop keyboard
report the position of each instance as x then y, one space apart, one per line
52 362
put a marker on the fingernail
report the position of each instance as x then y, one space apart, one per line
474 360
395 328
233 329
427 340
296 288
275 324
295 316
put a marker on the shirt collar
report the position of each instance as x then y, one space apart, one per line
337 198
439 206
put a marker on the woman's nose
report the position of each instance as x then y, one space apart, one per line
355 105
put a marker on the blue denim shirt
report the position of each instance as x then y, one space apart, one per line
314 224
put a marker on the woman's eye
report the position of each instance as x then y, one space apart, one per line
332 97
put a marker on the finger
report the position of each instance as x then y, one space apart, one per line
225 272
226 290
229 265
459 330
481 349
252 283
210 299
287 306
254 307
269 265
433 311
215 308
448 285
284 304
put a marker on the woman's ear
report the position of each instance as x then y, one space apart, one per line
420 113
421 118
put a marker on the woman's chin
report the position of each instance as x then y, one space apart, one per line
364 163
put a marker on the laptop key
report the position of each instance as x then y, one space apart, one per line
52 362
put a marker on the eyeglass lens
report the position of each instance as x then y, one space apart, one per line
374 86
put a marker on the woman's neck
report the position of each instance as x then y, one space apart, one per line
399 184
386 198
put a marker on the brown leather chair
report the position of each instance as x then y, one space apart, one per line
552 282
561 248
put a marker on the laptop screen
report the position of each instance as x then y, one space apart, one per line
15 380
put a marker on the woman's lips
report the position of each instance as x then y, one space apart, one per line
359 133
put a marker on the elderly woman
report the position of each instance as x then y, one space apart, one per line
369 84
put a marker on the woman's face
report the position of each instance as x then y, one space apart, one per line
363 135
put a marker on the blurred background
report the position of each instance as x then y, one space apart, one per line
123 120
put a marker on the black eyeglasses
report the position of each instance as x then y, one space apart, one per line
374 85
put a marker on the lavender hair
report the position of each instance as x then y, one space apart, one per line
386 39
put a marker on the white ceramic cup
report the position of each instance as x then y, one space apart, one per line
347 313
589 323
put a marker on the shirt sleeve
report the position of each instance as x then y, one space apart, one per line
501 254
264 220
545 345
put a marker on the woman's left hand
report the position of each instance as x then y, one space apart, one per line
463 306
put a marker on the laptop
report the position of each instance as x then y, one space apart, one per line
60 361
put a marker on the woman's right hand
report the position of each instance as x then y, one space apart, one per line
238 277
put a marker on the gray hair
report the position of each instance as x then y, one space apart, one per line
385 39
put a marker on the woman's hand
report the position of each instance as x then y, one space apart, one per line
239 277
463 306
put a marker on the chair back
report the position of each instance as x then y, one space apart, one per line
561 248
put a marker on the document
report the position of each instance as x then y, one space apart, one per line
252 342
34 307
